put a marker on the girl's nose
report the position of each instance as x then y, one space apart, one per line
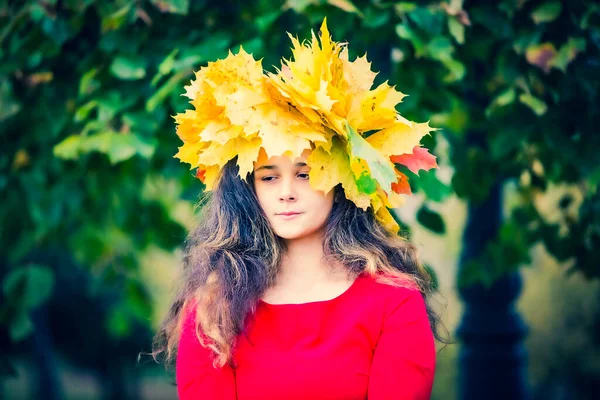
288 190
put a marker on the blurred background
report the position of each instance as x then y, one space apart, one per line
93 207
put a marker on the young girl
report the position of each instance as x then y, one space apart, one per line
289 291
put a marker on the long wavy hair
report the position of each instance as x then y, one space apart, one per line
233 257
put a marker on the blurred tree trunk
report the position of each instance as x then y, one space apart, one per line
492 358
48 385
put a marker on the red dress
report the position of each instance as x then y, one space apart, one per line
371 342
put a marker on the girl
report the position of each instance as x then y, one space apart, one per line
291 292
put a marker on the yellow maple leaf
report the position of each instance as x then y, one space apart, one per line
349 81
400 138
228 75
393 199
327 169
388 222
307 81
210 176
246 148
375 109
190 153
283 130
189 126
320 77
220 131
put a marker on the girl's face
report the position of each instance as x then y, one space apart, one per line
294 209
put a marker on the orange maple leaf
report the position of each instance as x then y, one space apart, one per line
401 186
420 159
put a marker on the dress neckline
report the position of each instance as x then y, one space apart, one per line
316 302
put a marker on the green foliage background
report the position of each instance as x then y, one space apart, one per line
88 88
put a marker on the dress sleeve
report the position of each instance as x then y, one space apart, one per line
196 377
403 364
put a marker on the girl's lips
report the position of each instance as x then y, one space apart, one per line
287 216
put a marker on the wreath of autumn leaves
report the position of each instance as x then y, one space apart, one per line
320 101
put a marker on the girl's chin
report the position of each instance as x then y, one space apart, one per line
291 233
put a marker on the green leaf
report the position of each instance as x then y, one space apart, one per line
440 48
83 111
172 6
455 119
475 272
165 67
118 146
505 98
128 68
405 32
427 20
88 83
8 105
20 326
362 176
457 30
37 12
568 52
57 28
375 17
92 126
118 323
509 142
367 163
589 12
475 173
69 148
141 121
456 70
546 12
138 299
511 248
213 47
297 5
113 102
497 24
431 220
435 283
127 145
265 21
254 45
526 39
535 104
171 85
594 177
434 189
28 286
115 20
404 7
345 5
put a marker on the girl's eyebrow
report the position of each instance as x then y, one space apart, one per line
274 167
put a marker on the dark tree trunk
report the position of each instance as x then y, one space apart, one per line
492 358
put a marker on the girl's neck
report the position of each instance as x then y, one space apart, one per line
303 264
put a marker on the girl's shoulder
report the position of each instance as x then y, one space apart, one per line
390 282
387 288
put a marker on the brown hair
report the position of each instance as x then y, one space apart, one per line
233 256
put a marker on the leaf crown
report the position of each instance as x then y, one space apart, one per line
318 100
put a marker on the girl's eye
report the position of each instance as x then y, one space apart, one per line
267 178
303 176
